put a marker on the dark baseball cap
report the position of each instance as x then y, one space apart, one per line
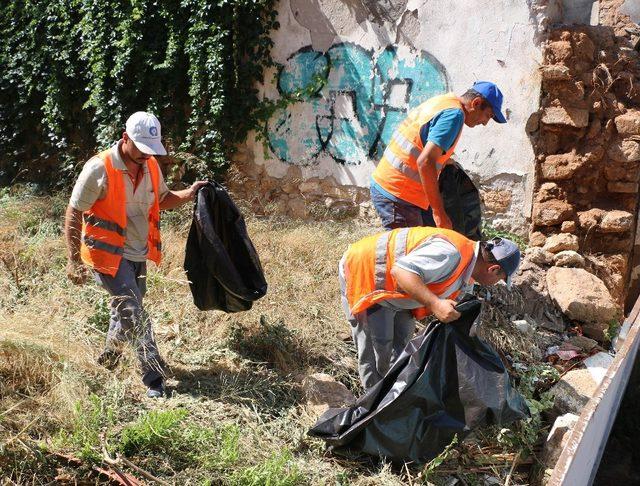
493 95
507 255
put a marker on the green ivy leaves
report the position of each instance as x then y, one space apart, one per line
73 70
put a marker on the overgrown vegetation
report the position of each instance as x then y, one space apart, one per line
236 414
73 69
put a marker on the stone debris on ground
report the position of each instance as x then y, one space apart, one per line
557 438
572 392
321 391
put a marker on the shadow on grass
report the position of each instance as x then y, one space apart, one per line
258 388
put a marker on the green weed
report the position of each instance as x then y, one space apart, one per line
612 330
101 314
433 464
489 232
153 431
90 423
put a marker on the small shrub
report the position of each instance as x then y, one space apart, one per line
152 431
99 320
489 232
91 421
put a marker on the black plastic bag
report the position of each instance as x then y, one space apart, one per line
221 262
445 382
461 201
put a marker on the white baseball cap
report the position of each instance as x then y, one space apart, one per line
144 129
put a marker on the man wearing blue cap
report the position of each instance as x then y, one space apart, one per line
404 185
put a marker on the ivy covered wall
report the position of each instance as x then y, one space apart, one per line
73 70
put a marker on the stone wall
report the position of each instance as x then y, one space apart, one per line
365 63
587 144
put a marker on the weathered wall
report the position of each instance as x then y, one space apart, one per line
378 59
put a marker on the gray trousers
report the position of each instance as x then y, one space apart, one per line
380 335
128 321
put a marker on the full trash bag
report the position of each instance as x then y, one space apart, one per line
461 201
221 262
445 382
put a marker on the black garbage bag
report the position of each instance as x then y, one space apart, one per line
445 382
221 262
461 201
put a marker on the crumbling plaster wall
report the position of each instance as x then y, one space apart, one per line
377 59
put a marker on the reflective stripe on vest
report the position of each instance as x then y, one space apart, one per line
368 264
397 171
104 224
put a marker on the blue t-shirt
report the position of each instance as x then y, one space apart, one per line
442 130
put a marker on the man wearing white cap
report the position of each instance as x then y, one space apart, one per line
113 226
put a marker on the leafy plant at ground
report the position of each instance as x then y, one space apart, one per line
73 71
489 232
93 421
101 314
533 383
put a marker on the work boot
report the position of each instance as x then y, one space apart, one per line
109 359
156 389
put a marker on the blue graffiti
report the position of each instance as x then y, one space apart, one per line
352 115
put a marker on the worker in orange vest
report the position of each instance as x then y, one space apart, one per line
112 226
389 278
404 185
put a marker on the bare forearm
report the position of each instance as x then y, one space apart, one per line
176 198
429 177
72 232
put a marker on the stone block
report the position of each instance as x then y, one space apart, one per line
557 438
568 258
560 242
616 222
623 187
568 227
559 115
628 123
555 72
548 191
496 201
561 167
581 295
591 218
297 208
558 50
553 212
583 342
624 150
321 391
538 256
536 238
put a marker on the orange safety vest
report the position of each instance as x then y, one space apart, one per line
368 263
104 225
397 172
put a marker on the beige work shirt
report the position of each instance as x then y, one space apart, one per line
92 186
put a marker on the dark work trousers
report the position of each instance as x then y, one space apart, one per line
128 320
400 214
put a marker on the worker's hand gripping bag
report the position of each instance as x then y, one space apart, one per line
221 262
445 383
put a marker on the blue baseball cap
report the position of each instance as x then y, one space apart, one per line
507 255
493 95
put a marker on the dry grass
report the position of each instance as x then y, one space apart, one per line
227 370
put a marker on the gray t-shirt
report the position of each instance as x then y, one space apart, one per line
92 186
434 261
